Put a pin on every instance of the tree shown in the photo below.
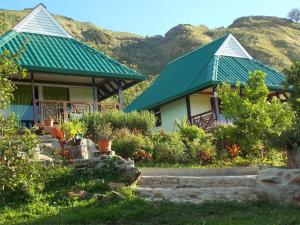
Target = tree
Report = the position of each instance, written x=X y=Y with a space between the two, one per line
x=294 y=15
x=291 y=138
x=256 y=121
x=19 y=173
x=8 y=69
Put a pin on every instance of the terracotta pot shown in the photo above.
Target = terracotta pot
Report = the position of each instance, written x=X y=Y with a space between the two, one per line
x=49 y=122
x=104 y=146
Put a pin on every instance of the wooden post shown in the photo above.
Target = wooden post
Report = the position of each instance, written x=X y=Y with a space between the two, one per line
x=216 y=103
x=94 y=95
x=188 y=108
x=65 y=108
x=120 y=96
x=33 y=99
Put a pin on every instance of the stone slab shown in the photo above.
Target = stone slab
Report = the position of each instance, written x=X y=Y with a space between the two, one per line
x=236 y=171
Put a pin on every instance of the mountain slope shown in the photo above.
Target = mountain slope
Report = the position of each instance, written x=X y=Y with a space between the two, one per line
x=272 y=40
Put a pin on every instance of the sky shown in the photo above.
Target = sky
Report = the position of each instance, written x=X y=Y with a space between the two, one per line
x=156 y=17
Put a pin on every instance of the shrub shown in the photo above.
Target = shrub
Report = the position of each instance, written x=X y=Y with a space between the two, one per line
x=201 y=150
x=228 y=135
x=104 y=132
x=169 y=148
x=198 y=144
x=143 y=122
x=256 y=121
x=189 y=132
x=234 y=150
x=142 y=156
x=19 y=178
x=126 y=144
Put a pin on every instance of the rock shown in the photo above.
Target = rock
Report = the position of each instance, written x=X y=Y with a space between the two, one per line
x=131 y=175
x=49 y=143
x=116 y=196
x=80 y=152
x=91 y=146
x=115 y=185
x=43 y=157
x=101 y=197
x=80 y=194
x=113 y=196
x=126 y=167
x=100 y=165
x=293 y=158
x=282 y=185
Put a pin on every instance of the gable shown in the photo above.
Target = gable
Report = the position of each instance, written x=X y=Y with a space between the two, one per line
x=40 y=21
x=231 y=47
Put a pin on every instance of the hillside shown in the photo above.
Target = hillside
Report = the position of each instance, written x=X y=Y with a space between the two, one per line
x=272 y=40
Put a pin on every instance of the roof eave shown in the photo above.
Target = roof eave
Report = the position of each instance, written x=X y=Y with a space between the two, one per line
x=69 y=72
x=202 y=86
x=270 y=87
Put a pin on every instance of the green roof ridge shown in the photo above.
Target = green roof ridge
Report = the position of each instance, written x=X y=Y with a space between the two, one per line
x=199 y=48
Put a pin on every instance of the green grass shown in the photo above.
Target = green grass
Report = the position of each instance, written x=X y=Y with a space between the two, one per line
x=54 y=206
x=135 y=211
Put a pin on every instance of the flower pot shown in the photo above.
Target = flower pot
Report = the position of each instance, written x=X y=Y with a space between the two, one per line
x=49 y=122
x=104 y=146
x=77 y=140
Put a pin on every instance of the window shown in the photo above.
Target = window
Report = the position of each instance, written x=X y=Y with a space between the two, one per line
x=157 y=115
x=56 y=93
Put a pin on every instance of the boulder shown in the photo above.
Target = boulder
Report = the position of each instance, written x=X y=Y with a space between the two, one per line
x=125 y=167
x=282 y=185
x=80 y=194
x=293 y=158
x=42 y=157
x=115 y=185
x=113 y=196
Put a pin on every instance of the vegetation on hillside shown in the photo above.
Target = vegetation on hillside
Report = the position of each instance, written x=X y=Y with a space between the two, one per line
x=272 y=40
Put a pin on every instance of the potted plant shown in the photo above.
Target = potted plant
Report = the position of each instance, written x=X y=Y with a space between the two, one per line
x=104 y=135
x=49 y=121
x=73 y=131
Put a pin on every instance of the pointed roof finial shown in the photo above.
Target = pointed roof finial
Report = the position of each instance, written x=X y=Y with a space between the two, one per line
x=40 y=21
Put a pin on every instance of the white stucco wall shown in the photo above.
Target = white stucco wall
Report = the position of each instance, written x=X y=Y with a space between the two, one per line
x=170 y=112
x=199 y=103
x=81 y=94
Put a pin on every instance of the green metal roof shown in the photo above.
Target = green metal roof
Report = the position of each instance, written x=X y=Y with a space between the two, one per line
x=61 y=55
x=200 y=69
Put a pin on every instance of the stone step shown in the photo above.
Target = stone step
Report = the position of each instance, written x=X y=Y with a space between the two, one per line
x=236 y=171
x=196 y=182
x=197 y=195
